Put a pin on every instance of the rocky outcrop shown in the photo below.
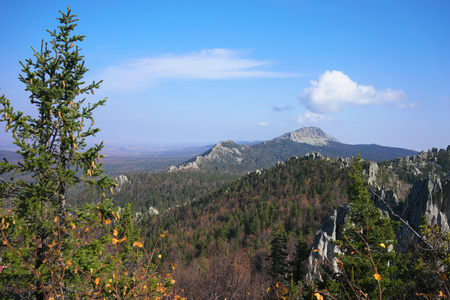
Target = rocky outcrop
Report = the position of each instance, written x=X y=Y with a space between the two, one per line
x=153 y=211
x=309 y=135
x=314 y=155
x=387 y=201
x=429 y=198
x=223 y=152
x=121 y=180
x=323 y=250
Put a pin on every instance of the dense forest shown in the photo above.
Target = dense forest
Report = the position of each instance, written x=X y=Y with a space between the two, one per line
x=238 y=222
x=215 y=224
x=160 y=190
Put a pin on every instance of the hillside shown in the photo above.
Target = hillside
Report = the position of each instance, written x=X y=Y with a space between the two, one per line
x=235 y=225
x=158 y=191
x=240 y=216
x=239 y=159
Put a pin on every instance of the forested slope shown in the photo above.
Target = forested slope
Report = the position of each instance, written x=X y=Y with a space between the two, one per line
x=238 y=219
x=159 y=190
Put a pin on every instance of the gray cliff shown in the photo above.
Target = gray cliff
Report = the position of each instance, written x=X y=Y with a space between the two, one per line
x=429 y=198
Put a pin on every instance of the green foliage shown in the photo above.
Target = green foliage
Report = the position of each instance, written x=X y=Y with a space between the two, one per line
x=51 y=250
x=160 y=190
x=126 y=229
x=368 y=261
x=278 y=255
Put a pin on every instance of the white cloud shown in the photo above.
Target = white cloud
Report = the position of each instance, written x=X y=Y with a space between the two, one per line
x=263 y=124
x=334 y=90
x=208 y=64
x=310 y=117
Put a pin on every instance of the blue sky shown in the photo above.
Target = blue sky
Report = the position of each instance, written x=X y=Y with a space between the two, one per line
x=179 y=72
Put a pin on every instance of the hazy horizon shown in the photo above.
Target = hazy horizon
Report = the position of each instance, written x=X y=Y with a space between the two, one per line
x=199 y=72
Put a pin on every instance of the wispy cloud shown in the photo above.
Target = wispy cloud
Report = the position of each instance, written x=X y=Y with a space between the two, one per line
x=209 y=64
x=263 y=124
x=280 y=109
x=310 y=117
x=334 y=90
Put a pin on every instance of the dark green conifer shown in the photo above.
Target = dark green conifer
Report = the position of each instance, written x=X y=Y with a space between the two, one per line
x=278 y=255
x=368 y=258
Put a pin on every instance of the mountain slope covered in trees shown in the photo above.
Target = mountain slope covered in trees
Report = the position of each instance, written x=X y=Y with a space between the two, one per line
x=239 y=159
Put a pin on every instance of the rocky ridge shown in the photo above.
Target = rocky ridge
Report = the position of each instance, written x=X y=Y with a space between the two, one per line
x=224 y=152
x=428 y=197
x=309 y=135
x=240 y=159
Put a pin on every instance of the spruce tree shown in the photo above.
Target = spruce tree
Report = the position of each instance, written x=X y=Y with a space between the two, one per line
x=54 y=251
x=368 y=260
x=278 y=255
x=53 y=143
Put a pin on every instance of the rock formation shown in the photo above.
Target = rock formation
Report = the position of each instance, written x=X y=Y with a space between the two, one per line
x=309 y=135
x=223 y=152
x=323 y=249
x=121 y=180
x=429 y=198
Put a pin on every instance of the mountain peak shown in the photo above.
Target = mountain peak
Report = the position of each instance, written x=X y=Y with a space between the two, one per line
x=309 y=135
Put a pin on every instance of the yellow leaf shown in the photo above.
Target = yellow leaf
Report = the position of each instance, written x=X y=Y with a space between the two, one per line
x=159 y=256
x=174 y=266
x=316 y=250
x=123 y=239
x=383 y=245
x=138 y=244
x=115 y=232
x=55 y=219
x=73 y=225
x=268 y=289
x=115 y=241
x=97 y=280
x=340 y=264
x=51 y=298
x=68 y=263
x=318 y=296
x=107 y=221
x=377 y=276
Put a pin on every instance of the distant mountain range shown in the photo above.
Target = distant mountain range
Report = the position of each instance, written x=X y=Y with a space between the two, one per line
x=231 y=157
